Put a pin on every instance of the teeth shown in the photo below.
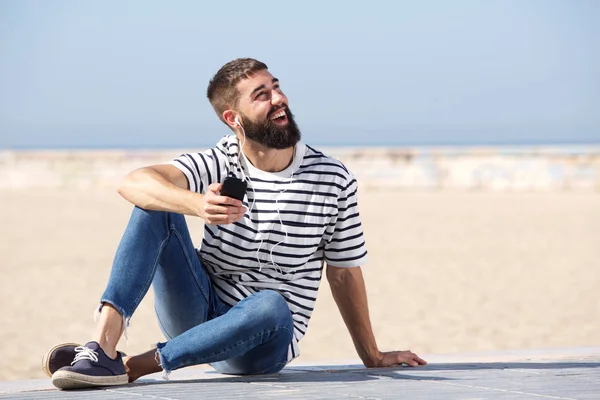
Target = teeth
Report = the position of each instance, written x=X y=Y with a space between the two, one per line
x=278 y=114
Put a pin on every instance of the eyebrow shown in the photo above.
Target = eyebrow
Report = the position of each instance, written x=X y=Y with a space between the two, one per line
x=261 y=87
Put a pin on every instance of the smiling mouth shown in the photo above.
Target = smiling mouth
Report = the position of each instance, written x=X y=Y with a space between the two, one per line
x=279 y=116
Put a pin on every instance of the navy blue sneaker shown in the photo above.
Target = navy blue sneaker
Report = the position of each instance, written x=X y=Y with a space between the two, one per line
x=91 y=367
x=59 y=356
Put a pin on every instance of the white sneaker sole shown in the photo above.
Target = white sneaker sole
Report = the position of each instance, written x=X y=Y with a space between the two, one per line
x=73 y=380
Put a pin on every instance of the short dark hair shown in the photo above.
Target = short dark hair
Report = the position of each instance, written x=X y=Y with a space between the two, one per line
x=222 y=91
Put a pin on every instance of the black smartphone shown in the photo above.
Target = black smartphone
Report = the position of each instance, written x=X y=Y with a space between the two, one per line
x=234 y=188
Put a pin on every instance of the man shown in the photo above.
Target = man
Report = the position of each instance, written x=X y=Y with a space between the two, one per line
x=243 y=300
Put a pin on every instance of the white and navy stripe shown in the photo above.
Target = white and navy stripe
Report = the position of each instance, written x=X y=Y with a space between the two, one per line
x=297 y=220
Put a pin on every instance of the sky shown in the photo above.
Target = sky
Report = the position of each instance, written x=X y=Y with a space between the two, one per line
x=133 y=74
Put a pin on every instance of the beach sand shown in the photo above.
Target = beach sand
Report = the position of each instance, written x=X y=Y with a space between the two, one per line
x=448 y=272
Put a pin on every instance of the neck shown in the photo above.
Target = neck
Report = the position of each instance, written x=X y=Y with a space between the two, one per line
x=267 y=159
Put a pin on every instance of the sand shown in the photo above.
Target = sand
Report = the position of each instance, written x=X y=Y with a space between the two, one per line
x=448 y=272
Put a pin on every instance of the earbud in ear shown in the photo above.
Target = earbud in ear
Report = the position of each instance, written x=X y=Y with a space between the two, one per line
x=237 y=121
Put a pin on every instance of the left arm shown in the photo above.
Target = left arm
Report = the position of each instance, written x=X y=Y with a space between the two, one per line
x=349 y=292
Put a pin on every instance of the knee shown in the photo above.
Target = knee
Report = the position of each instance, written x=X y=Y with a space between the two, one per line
x=143 y=212
x=270 y=300
x=162 y=217
x=271 y=307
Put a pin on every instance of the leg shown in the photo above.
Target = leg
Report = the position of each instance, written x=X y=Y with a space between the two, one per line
x=270 y=356
x=156 y=246
x=251 y=338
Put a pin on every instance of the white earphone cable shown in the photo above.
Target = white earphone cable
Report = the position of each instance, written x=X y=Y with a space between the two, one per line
x=250 y=186
x=291 y=179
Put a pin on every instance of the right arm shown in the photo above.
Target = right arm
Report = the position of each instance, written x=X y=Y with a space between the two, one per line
x=165 y=188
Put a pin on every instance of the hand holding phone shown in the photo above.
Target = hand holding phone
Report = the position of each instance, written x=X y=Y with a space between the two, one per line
x=222 y=203
x=234 y=188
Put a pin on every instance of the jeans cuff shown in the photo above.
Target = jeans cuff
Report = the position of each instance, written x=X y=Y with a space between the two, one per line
x=161 y=360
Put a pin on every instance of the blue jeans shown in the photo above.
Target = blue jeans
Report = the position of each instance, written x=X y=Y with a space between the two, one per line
x=251 y=337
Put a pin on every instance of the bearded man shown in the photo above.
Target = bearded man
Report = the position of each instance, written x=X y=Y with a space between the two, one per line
x=243 y=299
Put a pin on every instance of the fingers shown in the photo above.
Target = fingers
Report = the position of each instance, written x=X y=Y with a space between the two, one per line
x=222 y=209
x=228 y=201
x=213 y=197
x=421 y=361
x=224 y=218
x=216 y=198
x=215 y=187
x=412 y=363
x=402 y=357
x=228 y=213
x=411 y=359
x=217 y=209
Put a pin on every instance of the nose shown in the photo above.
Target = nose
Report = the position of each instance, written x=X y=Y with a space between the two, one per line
x=277 y=98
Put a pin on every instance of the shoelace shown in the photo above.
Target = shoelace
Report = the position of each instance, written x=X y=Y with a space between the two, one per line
x=83 y=353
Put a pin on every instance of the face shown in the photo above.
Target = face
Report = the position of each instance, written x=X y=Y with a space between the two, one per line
x=265 y=114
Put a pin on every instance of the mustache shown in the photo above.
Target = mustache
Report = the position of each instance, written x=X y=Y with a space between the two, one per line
x=273 y=111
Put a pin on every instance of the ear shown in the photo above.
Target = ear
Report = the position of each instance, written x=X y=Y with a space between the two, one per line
x=229 y=118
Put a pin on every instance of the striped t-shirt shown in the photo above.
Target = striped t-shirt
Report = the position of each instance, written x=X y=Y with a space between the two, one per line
x=296 y=219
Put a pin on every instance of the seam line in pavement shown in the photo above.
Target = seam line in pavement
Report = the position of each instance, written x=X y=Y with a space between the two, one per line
x=500 y=390
x=138 y=394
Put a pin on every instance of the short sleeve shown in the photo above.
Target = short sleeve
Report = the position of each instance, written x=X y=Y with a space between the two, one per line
x=346 y=246
x=201 y=169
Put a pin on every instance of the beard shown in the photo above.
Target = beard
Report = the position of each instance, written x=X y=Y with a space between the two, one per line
x=269 y=134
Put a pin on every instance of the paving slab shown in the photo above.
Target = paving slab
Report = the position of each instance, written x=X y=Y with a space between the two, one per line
x=567 y=374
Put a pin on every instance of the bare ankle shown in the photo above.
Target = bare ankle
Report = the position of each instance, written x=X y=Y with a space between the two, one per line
x=130 y=373
x=109 y=330
x=140 y=365
x=109 y=346
x=112 y=354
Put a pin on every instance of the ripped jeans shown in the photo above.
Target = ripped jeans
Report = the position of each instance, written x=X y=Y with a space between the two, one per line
x=251 y=337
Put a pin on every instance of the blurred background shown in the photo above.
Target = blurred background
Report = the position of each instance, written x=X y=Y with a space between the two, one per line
x=473 y=129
